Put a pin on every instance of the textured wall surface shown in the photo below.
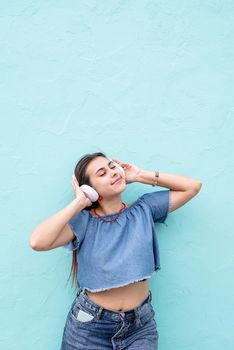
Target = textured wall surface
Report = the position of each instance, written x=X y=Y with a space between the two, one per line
x=149 y=82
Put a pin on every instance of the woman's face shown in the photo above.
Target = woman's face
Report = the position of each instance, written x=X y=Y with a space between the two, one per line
x=102 y=174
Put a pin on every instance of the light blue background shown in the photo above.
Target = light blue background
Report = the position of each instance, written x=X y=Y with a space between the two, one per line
x=147 y=82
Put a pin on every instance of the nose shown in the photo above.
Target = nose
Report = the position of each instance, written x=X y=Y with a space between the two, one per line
x=114 y=175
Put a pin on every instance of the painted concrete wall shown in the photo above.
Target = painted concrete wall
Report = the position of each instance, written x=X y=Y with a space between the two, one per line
x=148 y=82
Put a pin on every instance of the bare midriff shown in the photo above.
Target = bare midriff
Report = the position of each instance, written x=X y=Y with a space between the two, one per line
x=121 y=299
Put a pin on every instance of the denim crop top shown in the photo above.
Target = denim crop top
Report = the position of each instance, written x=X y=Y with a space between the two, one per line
x=114 y=254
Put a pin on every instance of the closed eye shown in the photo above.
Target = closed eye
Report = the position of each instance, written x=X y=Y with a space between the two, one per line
x=111 y=168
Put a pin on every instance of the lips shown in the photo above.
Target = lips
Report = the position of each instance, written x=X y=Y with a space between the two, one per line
x=116 y=180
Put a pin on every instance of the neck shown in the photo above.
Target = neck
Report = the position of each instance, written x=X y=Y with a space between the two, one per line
x=110 y=205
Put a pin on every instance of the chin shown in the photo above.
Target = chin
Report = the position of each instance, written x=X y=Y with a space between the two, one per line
x=122 y=188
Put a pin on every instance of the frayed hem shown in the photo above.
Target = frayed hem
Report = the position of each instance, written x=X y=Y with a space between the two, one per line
x=121 y=285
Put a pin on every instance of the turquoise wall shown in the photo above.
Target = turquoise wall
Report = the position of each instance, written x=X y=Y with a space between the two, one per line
x=148 y=82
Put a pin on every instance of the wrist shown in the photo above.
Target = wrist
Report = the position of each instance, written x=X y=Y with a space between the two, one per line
x=148 y=177
x=79 y=203
x=140 y=176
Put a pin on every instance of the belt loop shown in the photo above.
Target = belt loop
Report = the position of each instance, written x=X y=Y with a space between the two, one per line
x=137 y=316
x=78 y=292
x=99 y=311
x=150 y=296
x=136 y=313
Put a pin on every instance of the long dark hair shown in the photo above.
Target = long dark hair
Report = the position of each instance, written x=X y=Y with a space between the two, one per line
x=83 y=178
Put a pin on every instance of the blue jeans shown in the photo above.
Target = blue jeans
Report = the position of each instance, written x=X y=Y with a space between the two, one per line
x=92 y=327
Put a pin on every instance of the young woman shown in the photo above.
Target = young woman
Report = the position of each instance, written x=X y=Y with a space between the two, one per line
x=117 y=250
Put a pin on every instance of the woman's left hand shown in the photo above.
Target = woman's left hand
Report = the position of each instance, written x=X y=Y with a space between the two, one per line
x=131 y=171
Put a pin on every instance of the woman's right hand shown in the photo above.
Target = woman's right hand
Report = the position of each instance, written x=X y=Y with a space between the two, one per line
x=79 y=193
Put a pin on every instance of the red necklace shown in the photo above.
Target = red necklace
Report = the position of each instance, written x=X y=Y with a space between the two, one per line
x=110 y=214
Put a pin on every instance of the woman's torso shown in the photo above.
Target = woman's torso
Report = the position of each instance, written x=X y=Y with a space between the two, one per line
x=122 y=298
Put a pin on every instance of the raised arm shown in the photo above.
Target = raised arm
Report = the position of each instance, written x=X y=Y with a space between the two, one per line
x=59 y=228
x=182 y=188
x=54 y=231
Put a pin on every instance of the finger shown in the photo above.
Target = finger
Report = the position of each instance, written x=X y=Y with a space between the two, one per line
x=75 y=180
x=75 y=184
x=120 y=163
x=116 y=160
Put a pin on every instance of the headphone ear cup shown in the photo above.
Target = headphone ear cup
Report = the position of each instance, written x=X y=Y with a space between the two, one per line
x=90 y=192
x=120 y=168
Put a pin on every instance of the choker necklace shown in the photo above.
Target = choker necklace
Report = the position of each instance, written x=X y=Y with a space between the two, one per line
x=111 y=214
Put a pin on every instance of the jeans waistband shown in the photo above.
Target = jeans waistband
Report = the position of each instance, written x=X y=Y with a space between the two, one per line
x=84 y=299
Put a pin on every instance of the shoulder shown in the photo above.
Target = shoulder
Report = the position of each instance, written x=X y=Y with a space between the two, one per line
x=80 y=219
x=158 y=202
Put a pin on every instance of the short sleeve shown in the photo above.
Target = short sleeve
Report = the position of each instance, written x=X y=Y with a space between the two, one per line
x=78 y=224
x=158 y=203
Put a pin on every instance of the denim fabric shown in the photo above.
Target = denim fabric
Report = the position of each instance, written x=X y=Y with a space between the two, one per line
x=92 y=327
x=114 y=254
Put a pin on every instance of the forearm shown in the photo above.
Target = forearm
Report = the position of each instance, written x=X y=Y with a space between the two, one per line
x=171 y=181
x=48 y=231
